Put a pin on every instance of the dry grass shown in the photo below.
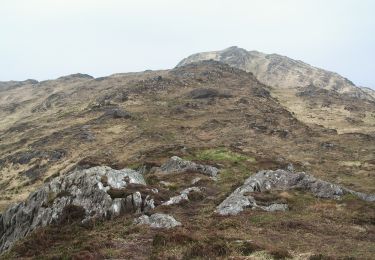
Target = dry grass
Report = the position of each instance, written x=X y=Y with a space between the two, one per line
x=235 y=134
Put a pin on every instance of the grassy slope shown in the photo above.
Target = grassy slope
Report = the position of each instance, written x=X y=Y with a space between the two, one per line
x=235 y=134
x=312 y=226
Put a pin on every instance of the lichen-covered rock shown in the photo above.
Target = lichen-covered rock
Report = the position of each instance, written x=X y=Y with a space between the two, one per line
x=178 y=165
x=157 y=220
x=182 y=197
x=281 y=180
x=87 y=189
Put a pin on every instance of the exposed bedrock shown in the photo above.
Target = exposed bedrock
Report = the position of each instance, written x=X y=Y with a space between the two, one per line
x=263 y=181
x=90 y=190
x=177 y=165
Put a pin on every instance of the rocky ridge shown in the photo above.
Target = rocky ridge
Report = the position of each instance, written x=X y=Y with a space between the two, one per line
x=264 y=181
x=314 y=95
x=280 y=71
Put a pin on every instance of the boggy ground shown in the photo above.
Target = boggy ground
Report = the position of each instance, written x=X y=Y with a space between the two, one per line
x=238 y=127
x=312 y=229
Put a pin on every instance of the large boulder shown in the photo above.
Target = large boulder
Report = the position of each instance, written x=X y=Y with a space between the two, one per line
x=178 y=165
x=99 y=192
x=263 y=181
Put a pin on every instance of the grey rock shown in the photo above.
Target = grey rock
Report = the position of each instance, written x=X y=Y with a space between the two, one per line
x=178 y=165
x=281 y=180
x=157 y=220
x=196 y=180
x=182 y=197
x=117 y=113
x=176 y=200
x=234 y=204
x=165 y=183
x=188 y=190
x=275 y=207
x=290 y=167
x=87 y=189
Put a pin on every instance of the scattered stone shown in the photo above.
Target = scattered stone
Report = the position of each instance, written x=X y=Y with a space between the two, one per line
x=165 y=183
x=178 y=165
x=157 y=220
x=281 y=180
x=195 y=180
x=182 y=197
x=327 y=145
x=275 y=207
x=91 y=189
x=176 y=200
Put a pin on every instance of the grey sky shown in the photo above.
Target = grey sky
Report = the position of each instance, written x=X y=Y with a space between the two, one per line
x=45 y=39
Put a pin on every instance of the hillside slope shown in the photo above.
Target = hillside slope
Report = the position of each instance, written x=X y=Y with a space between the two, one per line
x=207 y=112
x=313 y=94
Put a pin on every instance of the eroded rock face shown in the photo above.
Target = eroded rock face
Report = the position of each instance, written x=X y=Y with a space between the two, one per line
x=157 y=220
x=262 y=181
x=88 y=189
x=178 y=165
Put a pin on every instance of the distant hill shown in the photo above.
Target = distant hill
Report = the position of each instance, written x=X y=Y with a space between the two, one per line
x=313 y=94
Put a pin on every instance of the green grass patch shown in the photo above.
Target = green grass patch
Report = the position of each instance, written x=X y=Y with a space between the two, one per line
x=263 y=218
x=300 y=200
x=349 y=198
x=222 y=155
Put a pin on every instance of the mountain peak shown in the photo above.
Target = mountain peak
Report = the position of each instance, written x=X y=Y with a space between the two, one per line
x=280 y=71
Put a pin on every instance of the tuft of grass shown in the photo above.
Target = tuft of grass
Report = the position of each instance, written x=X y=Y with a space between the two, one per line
x=263 y=218
x=320 y=257
x=280 y=253
x=71 y=214
x=209 y=249
x=196 y=196
x=247 y=248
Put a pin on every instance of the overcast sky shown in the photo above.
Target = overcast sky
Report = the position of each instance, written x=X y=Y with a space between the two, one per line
x=45 y=39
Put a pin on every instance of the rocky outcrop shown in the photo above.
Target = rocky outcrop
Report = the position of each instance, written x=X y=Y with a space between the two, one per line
x=98 y=192
x=208 y=93
x=117 y=113
x=178 y=165
x=157 y=220
x=76 y=76
x=263 y=181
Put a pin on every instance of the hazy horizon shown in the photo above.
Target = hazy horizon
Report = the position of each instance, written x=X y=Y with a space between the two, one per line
x=44 y=39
